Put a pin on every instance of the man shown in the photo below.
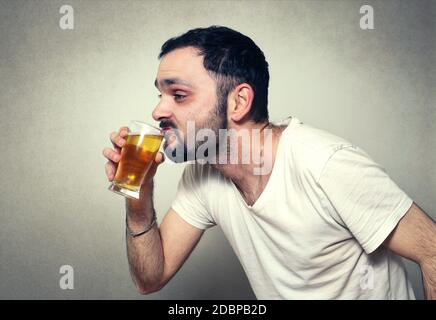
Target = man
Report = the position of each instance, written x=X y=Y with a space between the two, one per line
x=313 y=227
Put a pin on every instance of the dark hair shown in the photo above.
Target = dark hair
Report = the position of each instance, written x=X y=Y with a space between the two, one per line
x=232 y=58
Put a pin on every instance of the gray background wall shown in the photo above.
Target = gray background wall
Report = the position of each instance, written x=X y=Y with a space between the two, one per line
x=62 y=92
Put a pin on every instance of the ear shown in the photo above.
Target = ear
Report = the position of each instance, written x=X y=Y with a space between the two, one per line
x=240 y=102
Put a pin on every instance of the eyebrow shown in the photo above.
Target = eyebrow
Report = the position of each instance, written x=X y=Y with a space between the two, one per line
x=170 y=81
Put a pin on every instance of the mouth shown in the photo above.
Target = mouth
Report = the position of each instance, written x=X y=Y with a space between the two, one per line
x=169 y=135
x=164 y=130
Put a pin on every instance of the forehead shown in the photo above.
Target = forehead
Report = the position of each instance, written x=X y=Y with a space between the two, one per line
x=185 y=64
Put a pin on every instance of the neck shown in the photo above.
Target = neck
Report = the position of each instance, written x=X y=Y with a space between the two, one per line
x=249 y=163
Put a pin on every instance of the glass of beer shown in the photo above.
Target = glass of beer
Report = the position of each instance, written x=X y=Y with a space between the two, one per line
x=137 y=156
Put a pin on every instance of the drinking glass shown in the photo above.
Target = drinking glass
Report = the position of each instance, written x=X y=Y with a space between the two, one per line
x=137 y=156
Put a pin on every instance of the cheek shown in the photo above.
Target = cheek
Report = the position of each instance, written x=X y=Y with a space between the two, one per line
x=198 y=110
x=206 y=106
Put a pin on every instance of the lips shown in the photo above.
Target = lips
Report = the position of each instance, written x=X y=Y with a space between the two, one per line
x=165 y=129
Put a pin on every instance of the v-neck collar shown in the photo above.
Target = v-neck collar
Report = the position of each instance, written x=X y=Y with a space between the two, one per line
x=263 y=197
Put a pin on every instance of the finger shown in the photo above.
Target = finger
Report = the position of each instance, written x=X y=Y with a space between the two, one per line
x=112 y=155
x=116 y=140
x=113 y=138
x=160 y=158
x=109 y=168
x=123 y=132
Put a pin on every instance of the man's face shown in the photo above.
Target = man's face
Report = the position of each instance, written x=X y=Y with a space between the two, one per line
x=187 y=93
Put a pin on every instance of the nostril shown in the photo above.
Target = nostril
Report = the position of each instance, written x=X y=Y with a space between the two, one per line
x=156 y=115
x=160 y=114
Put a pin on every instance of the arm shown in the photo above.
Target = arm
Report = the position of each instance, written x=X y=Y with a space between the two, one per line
x=415 y=238
x=156 y=256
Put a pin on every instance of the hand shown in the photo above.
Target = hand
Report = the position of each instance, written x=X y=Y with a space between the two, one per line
x=118 y=140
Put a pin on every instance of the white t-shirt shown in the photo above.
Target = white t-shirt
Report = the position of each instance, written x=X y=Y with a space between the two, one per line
x=315 y=231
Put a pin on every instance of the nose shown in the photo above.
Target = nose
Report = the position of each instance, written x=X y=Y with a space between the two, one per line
x=161 y=111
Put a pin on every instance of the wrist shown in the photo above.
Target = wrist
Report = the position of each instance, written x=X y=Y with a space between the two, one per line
x=138 y=208
x=135 y=229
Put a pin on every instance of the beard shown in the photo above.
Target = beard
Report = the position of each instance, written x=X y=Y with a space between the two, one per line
x=175 y=145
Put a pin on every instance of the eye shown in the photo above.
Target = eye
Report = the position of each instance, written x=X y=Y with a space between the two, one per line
x=179 y=97
x=159 y=96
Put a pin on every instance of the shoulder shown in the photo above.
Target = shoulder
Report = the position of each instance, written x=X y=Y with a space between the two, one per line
x=309 y=148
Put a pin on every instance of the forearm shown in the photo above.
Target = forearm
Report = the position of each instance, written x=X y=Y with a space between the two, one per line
x=428 y=270
x=414 y=238
x=427 y=258
x=144 y=253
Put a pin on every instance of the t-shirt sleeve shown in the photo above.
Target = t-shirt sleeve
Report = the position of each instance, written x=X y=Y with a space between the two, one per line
x=189 y=202
x=364 y=196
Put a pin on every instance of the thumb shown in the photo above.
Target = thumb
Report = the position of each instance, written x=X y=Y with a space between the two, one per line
x=160 y=158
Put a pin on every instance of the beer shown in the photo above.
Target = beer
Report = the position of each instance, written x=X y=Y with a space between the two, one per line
x=137 y=156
